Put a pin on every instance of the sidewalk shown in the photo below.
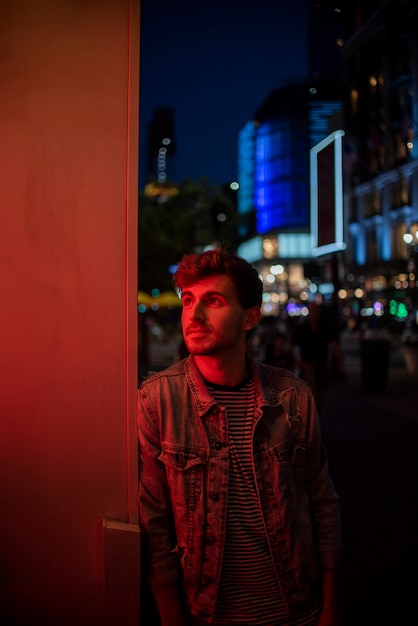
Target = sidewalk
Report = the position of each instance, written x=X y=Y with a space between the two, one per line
x=372 y=442
x=400 y=393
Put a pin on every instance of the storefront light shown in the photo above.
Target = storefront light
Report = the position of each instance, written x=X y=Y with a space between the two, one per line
x=276 y=269
x=292 y=309
x=378 y=309
x=367 y=311
x=326 y=289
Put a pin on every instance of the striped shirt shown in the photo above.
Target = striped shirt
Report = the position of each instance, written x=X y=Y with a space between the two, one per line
x=248 y=591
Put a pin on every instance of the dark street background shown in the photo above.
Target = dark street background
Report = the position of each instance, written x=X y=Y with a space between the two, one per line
x=371 y=436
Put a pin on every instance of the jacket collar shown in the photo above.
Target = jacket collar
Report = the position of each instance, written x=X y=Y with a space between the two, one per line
x=268 y=392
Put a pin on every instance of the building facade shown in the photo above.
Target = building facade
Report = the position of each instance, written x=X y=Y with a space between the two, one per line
x=380 y=60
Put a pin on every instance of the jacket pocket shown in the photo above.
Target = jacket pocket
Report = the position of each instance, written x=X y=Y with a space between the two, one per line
x=290 y=461
x=184 y=469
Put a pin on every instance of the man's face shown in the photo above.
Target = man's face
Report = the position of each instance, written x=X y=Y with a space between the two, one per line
x=212 y=319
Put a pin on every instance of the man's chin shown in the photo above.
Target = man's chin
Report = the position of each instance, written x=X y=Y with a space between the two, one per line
x=197 y=349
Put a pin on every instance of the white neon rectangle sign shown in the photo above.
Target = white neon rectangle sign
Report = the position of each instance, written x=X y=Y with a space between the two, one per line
x=327 y=216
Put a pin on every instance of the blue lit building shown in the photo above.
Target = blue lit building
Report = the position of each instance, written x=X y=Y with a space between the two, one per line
x=246 y=168
x=273 y=154
x=273 y=173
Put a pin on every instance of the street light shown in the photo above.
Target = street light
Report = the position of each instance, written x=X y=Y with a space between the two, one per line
x=411 y=242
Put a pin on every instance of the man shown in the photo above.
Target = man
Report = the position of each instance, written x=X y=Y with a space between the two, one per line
x=240 y=518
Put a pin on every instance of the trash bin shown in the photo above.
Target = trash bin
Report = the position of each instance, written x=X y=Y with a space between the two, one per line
x=374 y=363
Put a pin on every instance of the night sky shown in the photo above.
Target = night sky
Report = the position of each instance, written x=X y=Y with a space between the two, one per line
x=215 y=62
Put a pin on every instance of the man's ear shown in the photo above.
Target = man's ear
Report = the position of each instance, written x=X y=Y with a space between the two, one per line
x=251 y=318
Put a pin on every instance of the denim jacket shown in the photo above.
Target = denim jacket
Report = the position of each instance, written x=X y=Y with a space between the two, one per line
x=183 y=488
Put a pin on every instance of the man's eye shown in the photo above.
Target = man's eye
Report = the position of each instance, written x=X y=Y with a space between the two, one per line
x=186 y=301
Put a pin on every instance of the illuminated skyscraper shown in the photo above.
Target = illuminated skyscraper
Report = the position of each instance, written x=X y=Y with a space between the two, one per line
x=161 y=146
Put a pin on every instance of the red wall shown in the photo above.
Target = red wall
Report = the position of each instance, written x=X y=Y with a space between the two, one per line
x=68 y=320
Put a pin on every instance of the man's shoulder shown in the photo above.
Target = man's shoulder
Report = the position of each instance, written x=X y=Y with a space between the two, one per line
x=281 y=376
x=155 y=377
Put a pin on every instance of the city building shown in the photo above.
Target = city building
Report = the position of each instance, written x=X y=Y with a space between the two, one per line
x=380 y=60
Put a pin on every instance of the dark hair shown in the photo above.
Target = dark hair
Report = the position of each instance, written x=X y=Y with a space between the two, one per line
x=194 y=267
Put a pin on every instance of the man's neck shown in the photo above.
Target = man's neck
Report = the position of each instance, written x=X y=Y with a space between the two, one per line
x=222 y=370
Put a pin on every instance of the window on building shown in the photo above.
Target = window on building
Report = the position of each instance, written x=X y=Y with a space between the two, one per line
x=372 y=83
x=372 y=204
x=399 y=195
x=404 y=191
x=270 y=248
x=353 y=101
x=398 y=245
x=372 y=254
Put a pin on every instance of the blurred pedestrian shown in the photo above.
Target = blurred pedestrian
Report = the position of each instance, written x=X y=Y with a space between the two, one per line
x=279 y=352
x=318 y=349
x=239 y=516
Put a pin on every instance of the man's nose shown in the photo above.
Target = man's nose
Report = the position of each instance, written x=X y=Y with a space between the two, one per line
x=197 y=311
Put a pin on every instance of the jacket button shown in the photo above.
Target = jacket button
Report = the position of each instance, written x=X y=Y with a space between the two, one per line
x=207 y=580
x=210 y=539
x=214 y=497
x=218 y=445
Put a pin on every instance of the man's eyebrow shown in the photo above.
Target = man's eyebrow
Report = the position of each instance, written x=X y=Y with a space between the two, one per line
x=206 y=294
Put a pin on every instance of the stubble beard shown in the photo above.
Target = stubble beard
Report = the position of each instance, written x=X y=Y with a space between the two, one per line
x=210 y=345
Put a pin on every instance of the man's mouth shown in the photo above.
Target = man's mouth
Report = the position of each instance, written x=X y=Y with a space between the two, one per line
x=197 y=330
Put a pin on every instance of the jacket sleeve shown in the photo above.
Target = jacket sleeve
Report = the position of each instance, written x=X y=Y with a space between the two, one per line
x=323 y=497
x=159 y=545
